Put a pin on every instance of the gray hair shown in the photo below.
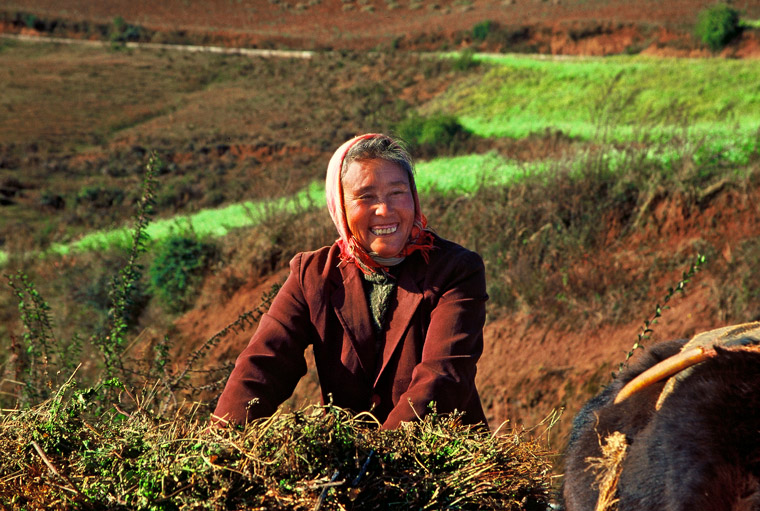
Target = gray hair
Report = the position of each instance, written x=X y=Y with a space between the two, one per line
x=381 y=147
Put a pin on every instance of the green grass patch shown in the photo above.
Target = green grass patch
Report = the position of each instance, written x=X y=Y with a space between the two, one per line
x=625 y=96
x=454 y=175
x=465 y=174
x=205 y=223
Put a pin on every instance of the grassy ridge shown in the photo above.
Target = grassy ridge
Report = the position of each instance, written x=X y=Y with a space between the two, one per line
x=451 y=176
x=214 y=100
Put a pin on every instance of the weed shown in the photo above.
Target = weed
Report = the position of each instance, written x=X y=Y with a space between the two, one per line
x=179 y=381
x=112 y=339
x=123 y=32
x=41 y=346
x=649 y=323
x=466 y=60
x=98 y=197
x=29 y=20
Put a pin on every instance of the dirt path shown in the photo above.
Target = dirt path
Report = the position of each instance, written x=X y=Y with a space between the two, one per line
x=248 y=52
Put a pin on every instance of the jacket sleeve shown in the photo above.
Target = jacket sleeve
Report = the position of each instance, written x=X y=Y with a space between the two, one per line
x=267 y=371
x=453 y=344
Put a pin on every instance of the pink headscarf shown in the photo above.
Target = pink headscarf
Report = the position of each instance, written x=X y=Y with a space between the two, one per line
x=350 y=250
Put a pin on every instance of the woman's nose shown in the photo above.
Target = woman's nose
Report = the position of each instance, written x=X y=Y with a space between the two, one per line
x=382 y=207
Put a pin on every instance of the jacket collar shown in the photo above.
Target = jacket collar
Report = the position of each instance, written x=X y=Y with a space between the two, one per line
x=408 y=298
x=350 y=303
x=351 y=307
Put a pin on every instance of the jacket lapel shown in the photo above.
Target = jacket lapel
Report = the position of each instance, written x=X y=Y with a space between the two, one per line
x=350 y=304
x=408 y=296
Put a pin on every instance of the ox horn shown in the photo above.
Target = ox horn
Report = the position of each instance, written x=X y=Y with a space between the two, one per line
x=699 y=348
x=664 y=369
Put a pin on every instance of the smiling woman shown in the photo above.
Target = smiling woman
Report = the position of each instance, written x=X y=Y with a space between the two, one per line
x=395 y=313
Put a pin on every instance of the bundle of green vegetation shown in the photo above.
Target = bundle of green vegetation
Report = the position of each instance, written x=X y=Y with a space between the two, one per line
x=71 y=453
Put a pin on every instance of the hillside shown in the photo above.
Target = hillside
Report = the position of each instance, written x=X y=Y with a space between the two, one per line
x=560 y=27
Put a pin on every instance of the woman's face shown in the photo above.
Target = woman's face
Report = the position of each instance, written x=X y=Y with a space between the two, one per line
x=379 y=205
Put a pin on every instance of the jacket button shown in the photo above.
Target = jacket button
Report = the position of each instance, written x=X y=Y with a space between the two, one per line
x=375 y=400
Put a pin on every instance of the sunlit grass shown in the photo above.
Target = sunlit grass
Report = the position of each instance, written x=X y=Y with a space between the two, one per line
x=456 y=175
x=465 y=174
x=520 y=95
x=205 y=223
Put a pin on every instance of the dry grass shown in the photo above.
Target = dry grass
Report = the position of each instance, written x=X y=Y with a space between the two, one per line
x=63 y=455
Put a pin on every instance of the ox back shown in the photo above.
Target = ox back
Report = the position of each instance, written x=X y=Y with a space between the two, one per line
x=699 y=452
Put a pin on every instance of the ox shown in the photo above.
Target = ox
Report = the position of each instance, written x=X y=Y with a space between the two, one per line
x=691 y=442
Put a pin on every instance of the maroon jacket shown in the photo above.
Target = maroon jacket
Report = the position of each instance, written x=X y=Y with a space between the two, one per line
x=433 y=340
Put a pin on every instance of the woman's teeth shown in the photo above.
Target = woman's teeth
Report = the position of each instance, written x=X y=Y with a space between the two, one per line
x=378 y=231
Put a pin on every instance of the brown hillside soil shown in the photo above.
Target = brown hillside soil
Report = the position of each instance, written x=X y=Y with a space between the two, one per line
x=572 y=27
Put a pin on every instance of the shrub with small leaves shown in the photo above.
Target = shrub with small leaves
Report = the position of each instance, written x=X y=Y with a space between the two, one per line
x=717 y=26
x=465 y=60
x=123 y=31
x=439 y=133
x=481 y=30
x=177 y=269
x=99 y=197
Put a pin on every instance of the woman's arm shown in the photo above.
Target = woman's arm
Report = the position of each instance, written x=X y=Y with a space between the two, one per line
x=453 y=345
x=269 y=368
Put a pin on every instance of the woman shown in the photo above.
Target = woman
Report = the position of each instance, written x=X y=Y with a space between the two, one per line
x=395 y=314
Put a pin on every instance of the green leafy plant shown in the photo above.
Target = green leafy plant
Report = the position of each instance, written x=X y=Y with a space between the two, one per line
x=439 y=133
x=98 y=197
x=465 y=60
x=177 y=269
x=30 y=20
x=121 y=31
x=717 y=26
x=482 y=30
x=112 y=339
x=44 y=357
